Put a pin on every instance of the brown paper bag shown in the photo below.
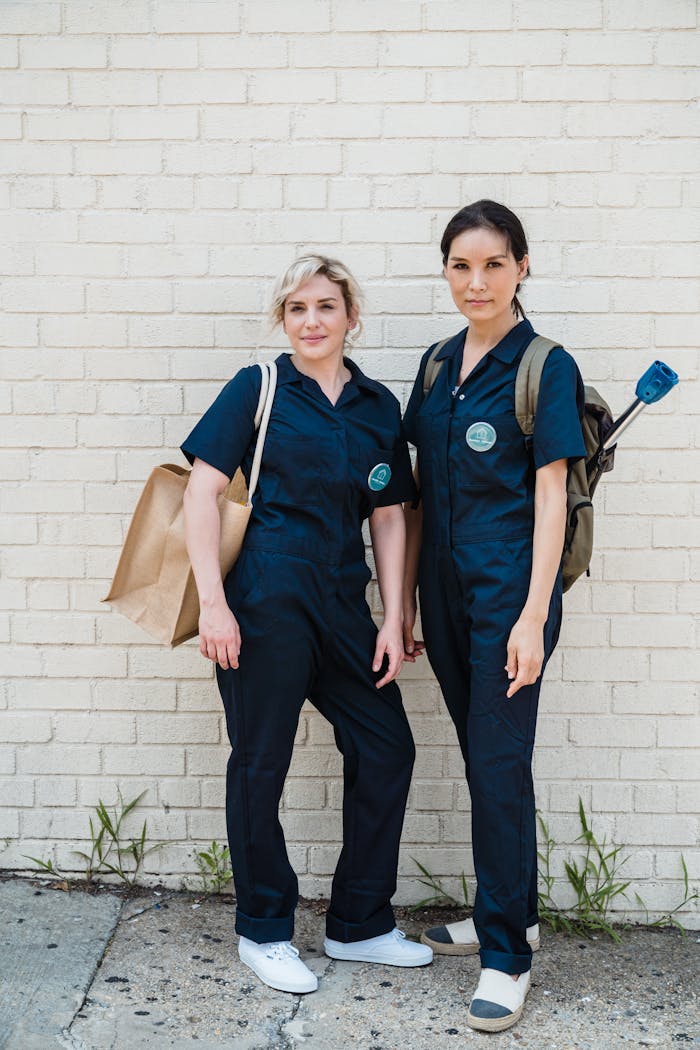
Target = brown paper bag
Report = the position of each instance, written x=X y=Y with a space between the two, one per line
x=154 y=585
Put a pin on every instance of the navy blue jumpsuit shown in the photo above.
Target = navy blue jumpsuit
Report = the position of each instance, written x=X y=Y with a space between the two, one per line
x=298 y=593
x=477 y=477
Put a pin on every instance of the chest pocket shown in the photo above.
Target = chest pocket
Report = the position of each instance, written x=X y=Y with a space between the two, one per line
x=291 y=470
x=371 y=472
x=488 y=452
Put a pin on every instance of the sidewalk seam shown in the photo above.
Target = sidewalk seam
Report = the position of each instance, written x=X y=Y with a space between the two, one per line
x=73 y=1042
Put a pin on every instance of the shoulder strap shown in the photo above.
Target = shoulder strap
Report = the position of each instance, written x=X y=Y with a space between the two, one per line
x=432 y=367
x=264 y=385
x=262 y=418
x=527 y=381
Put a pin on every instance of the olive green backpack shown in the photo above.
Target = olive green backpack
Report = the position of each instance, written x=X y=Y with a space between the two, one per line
x=584 y=475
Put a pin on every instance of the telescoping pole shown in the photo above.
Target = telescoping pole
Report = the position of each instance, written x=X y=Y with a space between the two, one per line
x=653 y=385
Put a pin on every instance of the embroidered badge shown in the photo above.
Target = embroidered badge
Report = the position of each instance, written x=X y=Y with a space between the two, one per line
x=481 y=437
x=379 y=477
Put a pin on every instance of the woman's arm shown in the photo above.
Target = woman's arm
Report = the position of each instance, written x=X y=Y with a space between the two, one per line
x=388 y=532
x=414 y=535
x=526 y=641
x=219 y=635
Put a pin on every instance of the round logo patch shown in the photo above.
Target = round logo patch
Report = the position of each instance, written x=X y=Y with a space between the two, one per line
x=379 y=477
x=481 y=437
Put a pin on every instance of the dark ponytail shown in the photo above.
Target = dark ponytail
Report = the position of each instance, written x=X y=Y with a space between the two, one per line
x=488 y=215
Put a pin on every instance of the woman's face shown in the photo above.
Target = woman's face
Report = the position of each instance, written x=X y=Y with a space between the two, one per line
x=483 y=274
x=315 y=319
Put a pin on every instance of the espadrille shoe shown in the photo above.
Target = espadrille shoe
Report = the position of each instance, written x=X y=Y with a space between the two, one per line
x=498 y=1001
x=459 y=938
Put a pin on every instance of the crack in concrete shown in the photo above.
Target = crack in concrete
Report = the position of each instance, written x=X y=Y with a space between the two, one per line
x=290 y=1040
x=71 y=1041
x=44 y=991
x=287 y=1041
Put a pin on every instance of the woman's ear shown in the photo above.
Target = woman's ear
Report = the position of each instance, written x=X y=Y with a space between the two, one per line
x=353 y=317
x=523 y=267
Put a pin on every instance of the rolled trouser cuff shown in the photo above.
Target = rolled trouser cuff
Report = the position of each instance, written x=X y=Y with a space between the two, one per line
x=263 y=931
x=381 y=922
x=506 y=963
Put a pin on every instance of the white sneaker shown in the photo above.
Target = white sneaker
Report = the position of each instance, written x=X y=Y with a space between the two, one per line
x=277 y=964
x=459 y=938
x=392 y=949
x=498 y=1000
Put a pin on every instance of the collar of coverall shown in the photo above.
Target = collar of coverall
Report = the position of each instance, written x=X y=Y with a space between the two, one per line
x=289 y=373
x=506 y=351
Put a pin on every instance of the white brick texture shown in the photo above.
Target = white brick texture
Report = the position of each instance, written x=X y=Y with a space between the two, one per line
x=161 y=161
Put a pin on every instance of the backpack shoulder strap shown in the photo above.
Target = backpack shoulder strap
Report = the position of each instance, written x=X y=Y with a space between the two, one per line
x=432 y=367
x=527 y=381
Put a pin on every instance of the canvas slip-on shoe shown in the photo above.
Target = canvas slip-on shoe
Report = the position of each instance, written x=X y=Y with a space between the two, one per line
x=498 y=1000
x=459 y=938
x=391 y=949
x=278 y=965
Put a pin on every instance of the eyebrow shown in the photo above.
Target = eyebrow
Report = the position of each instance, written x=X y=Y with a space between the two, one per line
x=459 y=258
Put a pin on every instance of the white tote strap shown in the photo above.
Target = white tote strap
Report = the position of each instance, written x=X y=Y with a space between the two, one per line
x=269 y=384
x=263 y=393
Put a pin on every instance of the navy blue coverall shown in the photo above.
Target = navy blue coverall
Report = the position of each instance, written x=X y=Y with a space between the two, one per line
x=298 y=593
x=477 y=477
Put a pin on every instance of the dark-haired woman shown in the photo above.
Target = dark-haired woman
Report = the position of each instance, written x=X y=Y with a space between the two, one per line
x=484 y=547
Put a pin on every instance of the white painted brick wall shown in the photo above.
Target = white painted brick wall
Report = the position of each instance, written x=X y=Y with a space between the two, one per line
x=160 y=162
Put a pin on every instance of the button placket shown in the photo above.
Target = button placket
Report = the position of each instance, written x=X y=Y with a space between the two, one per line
x=343 y=479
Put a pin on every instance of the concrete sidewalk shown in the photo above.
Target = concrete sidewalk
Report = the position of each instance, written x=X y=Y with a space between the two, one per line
x=91 y=972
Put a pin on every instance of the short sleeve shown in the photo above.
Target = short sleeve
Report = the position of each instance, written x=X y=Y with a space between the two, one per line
x=416 y=400
x=226 y=429
x=401 y=487
x=560 y=405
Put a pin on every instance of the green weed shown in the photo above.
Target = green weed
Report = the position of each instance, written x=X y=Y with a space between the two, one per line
x=109 y=852
x=594 y=876
x=669 y=919
x=214 y=867
x=440 y=894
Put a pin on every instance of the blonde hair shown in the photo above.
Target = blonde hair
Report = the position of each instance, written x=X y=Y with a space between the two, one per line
x=303 y=269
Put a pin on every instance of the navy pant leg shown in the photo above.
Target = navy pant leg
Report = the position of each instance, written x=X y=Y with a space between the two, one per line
x=262 y=700
x=446 y=635
x=373 y=734
x=470 y=606
x=312 y=636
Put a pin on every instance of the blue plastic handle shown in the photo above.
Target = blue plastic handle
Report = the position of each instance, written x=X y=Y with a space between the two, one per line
x=656 y=383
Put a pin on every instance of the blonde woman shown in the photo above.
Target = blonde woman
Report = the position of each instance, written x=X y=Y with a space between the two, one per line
x=291 y=621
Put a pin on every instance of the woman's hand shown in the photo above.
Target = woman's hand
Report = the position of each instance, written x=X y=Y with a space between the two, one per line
x=388 y=532
x=412 y=647
x=219 y=635
x=525 y=653
x=526 y=642
x=389 y=644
